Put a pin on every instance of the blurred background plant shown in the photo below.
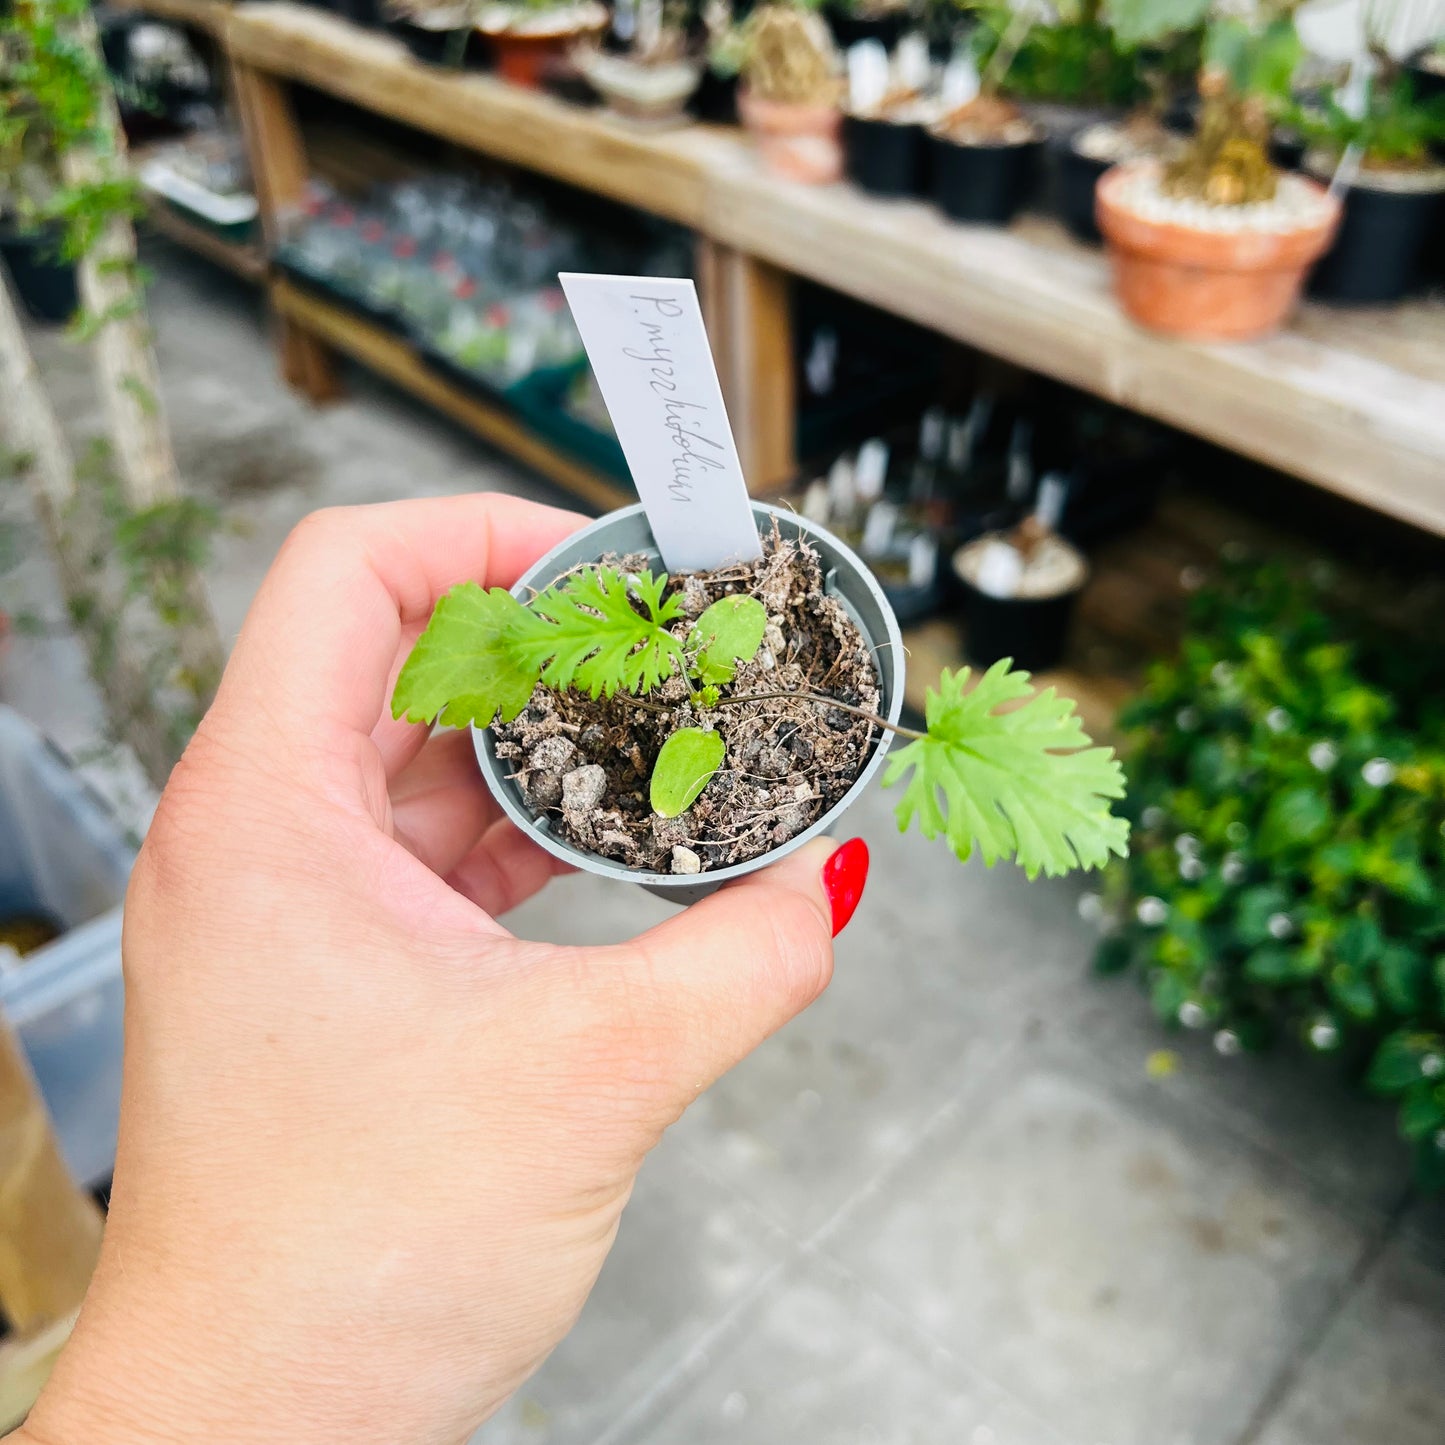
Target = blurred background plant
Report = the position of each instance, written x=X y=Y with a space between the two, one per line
x=127 y=542
x=1287 y=880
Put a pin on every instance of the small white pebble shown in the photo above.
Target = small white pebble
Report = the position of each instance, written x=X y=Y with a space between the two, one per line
x=583 y=788
x=684 y=860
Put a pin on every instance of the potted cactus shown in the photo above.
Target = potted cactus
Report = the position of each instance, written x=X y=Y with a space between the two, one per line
x=790 y=95
x=1217 y=242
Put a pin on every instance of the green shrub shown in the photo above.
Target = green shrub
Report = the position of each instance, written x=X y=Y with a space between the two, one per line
x=1287 y=878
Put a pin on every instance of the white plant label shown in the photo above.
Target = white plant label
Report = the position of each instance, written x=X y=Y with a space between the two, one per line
x=649 y=351
x=867 y=76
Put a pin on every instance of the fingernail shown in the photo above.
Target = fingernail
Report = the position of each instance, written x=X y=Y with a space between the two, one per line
x=844 y=875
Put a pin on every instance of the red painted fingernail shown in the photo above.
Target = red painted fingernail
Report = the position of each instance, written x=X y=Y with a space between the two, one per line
x=844 y=875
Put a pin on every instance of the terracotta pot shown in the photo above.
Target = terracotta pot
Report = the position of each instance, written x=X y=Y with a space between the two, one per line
x=798 y=141
x=526 y=59
x=1191 y=282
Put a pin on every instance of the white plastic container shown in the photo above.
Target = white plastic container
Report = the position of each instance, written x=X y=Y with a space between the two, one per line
x=64 y=856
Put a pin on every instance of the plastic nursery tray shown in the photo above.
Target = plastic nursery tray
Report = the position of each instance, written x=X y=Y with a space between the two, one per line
x=231 y=217
x=329 y=290
x=541 y=400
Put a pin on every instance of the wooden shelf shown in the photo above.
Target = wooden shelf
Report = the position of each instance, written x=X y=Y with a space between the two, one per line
x=394 y=359
x=240 y=259
x=664 y=172
x=1354 y=402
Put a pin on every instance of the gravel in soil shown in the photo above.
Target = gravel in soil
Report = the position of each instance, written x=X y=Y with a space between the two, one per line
x=585 y=764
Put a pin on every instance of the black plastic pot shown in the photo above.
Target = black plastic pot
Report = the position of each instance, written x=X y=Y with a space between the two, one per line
x=849 y=28
x=1074 y=183
x=885 y=157
x=1381 y=251
x=716 y=99
x=983 y=183
x=366 y=13
x=1287 y=149
x=435 y=47
x=45 y=285
x=1033 y=631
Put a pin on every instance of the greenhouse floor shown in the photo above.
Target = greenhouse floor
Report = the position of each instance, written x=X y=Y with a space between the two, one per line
x=963 y=1199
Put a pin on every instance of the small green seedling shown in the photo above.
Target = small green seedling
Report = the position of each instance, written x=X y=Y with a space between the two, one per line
x=1002 y=767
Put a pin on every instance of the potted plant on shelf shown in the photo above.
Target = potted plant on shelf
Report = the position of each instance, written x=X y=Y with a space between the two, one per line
x=790 y=93
x=528 y=37
x=652 y=81
x=724 y=46
x=1390 y=180
x=1217 y=242
x=984 y=154
x=31 y=243
x=433 y=32
x=885 y=21
x=680 y=732
x=884 y=124
x=1161 y=67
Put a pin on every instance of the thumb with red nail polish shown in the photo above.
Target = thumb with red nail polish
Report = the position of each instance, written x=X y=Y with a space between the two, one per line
x=740 y=964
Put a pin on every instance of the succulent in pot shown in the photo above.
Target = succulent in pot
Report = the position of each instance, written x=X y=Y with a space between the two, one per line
x=653 y=79
x=435 y=33
x=984 y=159
x=1216 y=242
x=531 y=37
x=790 y=93
x=889 y=106
x=682 y=731
x=725 y=49
x=1390 y=179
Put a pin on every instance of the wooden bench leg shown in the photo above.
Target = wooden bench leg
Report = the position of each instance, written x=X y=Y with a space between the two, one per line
x=49 y=1236
x=748 y=308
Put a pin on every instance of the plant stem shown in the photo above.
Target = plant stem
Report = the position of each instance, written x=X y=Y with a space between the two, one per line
x=863 y=713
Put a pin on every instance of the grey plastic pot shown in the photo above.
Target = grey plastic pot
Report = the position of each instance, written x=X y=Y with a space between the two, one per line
x=626 y=531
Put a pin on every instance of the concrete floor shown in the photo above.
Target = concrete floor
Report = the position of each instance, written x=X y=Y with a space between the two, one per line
x=947 y=1206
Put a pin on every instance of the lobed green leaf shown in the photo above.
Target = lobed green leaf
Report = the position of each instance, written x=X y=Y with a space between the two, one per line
x=1019 y=782
x=586 y=634
x=463 y=668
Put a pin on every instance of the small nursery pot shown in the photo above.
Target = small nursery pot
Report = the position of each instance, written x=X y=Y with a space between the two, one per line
x=445 y=46
x=795 y=140
x=716 y=98
x=1382 y=247
x=626 y=531
x=1033 y=631
x=885 y=157
x=983 y=183
x=1075 y=179
x=46 y=286
x=1189 y=281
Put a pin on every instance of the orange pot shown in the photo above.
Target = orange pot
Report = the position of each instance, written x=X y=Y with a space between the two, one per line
x=526 y=57
x=1208 y=284
x=794 y=140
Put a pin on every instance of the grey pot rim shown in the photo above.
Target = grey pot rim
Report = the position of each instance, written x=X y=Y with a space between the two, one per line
x=689 y=886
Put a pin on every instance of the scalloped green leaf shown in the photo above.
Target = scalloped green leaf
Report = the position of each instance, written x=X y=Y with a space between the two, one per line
x=463 y=668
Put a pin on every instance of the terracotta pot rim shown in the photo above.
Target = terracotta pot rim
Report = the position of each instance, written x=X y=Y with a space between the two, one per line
x=1256 y=250
x=786 y=114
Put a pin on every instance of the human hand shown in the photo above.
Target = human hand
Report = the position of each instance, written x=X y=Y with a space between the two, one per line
x=373 y=1148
